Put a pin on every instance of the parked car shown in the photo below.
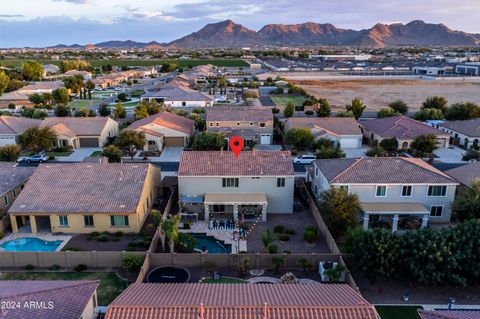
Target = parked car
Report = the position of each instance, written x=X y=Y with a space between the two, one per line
x=304 y=159
x=38 y=158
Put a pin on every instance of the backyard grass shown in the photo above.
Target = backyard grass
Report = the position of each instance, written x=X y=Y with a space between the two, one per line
x=398 y=312
x=284 y=99
x=110 y=285
x=78 y=104
x=224 y=281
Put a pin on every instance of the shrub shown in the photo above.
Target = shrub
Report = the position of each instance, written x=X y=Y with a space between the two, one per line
x=132 y=244
x=287 y=252
x=305 y=263
x=132 y=263
x=272 y=249
x=147 y=242
x=94 y=234
x=80 y=267
x=54 y=267
x=312 y=229
x=308 y=112
x=89 y=238
x=284 y=237
x=150 y=228
x=278 y=229
x=118 y=234
x=309 y=236
x=186 y=225
x=51 y=158
x=103 y=238
x=29 y=267
x=106 y=233
x=116 y=238
x=277 y=262
x=243 y=266
x=289 y=231
x=275 y=110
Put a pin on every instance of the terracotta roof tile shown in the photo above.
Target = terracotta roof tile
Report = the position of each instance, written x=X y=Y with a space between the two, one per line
x=242 y=113
x=168 y=120
x=92 y=126
x=332 y=125
x=224 y=163
x=237 y=301
x=449 y=314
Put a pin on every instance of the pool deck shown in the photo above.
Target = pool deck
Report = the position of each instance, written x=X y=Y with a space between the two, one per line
x=42 y=236
x=224 y=235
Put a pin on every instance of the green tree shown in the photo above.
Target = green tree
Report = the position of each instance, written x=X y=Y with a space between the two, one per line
x=168 y=67
x=14 y=84
x=36 y=99
x=344 y=114
x=4 y=81
x=209 y=142
x=113 y=153
x=74 y=83
x=300 y=138
x=9 y=153
x=436 y=102
x=170 y=229
x=37 y=139
x=389 y=144
x=32 y=71
x=325 y=148
x=471 y=156
x=323 y=109
x=90 y=85
x=39 y=114
x=85 y=112
x=131 y=141
x=376 y=152
x=289 y=109
x=47 y=99
x=60 y=96
x=267 y=239
x=356 y=107
x=424 y=145
x=141 y=111
x=462 y=112
x=104 y=109
x=399 y=106
x=466 y=205
x=339 y=209
x=428 y=114
x=387 y=112
x=62 y=110
x=120 y=111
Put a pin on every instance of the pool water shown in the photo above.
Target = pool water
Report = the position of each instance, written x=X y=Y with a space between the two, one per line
x=31 y=244
x=211 y=244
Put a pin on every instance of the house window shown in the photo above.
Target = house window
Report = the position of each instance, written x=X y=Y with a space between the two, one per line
x=281 y=182
x=14 y=193
x=316 y=190
x=218 y=208
x=229 y=182
x=63 y=221
x=381 y=191
x=344 y=188
x=211 y=123
x=184 y=103
x=5 y=200
x=437 y=191
x=406 y=191
x=262 y=124
x=88 y=221
x=119 y=221
x=216 y=124
x=436 y=211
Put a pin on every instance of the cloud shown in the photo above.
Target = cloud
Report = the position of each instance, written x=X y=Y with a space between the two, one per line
x=74 y=1
x=11 y=16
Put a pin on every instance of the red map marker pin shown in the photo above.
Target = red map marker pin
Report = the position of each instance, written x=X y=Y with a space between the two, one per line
x=236 y=145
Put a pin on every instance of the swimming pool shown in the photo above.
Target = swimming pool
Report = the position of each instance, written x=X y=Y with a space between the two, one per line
x=211 y=244
x=31 y=244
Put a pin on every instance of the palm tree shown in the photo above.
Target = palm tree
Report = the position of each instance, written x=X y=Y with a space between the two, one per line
x=170 y=229
x=267 y=238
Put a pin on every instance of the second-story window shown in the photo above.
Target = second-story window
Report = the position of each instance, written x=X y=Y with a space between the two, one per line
x=437 y=190
x=281 y=182
x=262 y=124
x=381 y=191
x=406 y=190
x=344 y=188
x=230 y=182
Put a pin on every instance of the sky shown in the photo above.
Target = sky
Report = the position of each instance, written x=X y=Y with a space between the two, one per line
x=39 y=23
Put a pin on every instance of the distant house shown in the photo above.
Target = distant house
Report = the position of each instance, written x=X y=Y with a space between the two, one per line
x=54 y=299
x=16 y=98
x=50 y=69
x=165 y=129
x=469 y=68
x=12 y=126
x=82 y=131
x=222 y=301
x=86 y=197
x=252 y=123
x=465 y=174
x=344 y=131
x=41 y=87
x=180 y=96
x=86 y=75
x=403 y=128
x=465 y=133
x=393 y=191
x=255 y=184
x=12 y=181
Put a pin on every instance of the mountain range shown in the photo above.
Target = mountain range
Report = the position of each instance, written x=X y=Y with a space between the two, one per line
x=228 y=34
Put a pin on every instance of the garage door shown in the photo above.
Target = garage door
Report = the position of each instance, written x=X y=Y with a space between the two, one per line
x=350 y=142
x=265 y=138
x=89 y=142
x=174 y=142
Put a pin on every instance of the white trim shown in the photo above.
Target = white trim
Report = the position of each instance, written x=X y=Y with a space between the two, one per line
x=411 y=191
x=430 y=214
x=376 y=190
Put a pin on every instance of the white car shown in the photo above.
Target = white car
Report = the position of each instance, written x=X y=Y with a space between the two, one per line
x=304 y=159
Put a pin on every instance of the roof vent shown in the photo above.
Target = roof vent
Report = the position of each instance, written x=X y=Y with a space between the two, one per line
x=122 y=206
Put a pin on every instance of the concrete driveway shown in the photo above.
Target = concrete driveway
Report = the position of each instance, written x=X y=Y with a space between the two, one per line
x=78 y=154
x=355 y=152
x=171 y=154
x=452 y=154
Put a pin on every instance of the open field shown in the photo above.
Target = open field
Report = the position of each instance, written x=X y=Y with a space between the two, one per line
x=180 y=63
x=378 y=93
x=282 y=100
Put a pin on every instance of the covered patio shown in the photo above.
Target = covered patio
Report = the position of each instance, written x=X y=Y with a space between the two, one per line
x=389 y=215
x=235 y=205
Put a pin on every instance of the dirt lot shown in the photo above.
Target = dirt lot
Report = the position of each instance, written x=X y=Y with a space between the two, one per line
x=377 y=93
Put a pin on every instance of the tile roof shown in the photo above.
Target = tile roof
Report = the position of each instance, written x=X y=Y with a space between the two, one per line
x=74 y=126
x=332 y=125
x=178 y=94
x=69 y=298
x=16 y=125
x=469 y=128
x=168 y=120
x=234 y=301
x=381 y=170
x=465 y=174
x=449 y=314
x=42 y=86
x=83 y=188
x=11 y=175
x=400 y=127
x=224 y=163
x=13 y=96
x=242 y=113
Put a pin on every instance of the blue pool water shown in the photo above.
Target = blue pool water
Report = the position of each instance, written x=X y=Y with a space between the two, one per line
x=31 y=244
x=211 y=244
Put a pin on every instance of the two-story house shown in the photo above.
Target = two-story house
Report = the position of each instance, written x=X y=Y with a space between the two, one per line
x=253 y=124
x=394 y=192
x=216 y=184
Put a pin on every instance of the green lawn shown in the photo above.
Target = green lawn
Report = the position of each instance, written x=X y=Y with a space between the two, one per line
x=78 y=104
x=120 y=63
x=58 y=154
x=128 y=104
x=284 y=99
x=398 y=312
x=224 y=281
x=110 y=285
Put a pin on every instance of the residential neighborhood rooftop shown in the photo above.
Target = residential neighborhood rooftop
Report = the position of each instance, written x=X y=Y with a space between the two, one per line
x=469 y=127
x=42 y=86
x=400 y=127
x=83 y=187
x=16 y=125
x=166 y=119
x=375 y=170
x=465 y=174
x=12 y=175
x=178 y=94
x=193 y=301
x=224 y=163
x=449 y=314
x=331 y=125
x=239 y=113
x=72 y=126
